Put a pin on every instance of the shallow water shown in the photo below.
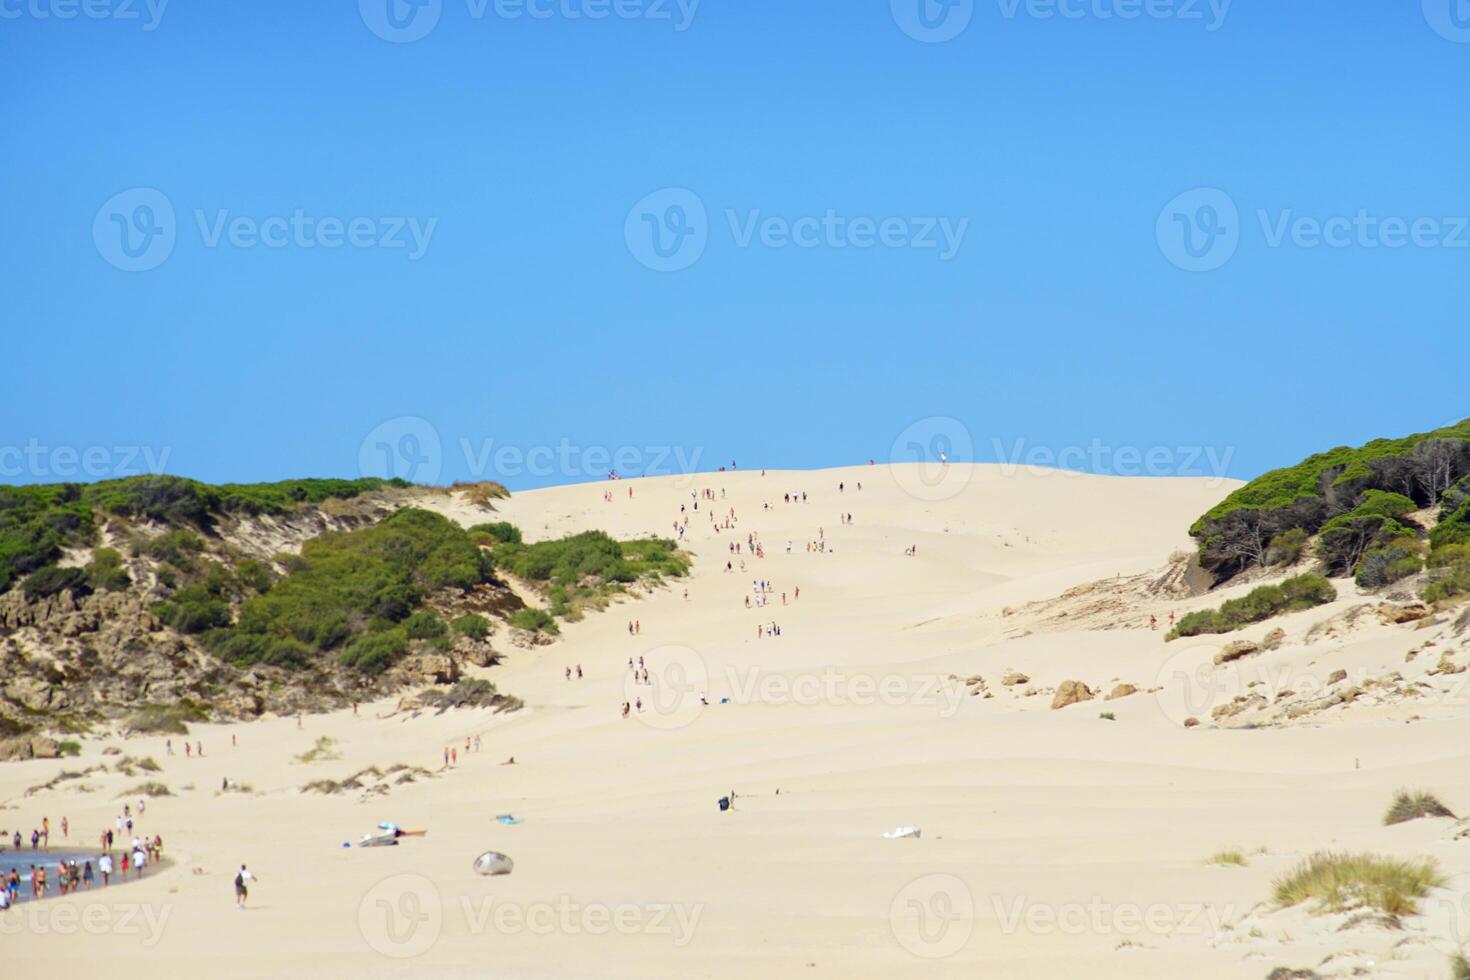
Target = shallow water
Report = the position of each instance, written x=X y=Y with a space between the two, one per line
x=51 y=860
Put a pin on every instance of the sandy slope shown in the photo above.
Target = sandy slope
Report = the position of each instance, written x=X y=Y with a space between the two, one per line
x=1055 y=843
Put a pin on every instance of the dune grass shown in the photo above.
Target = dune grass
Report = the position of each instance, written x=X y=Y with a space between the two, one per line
x=1459 y=967
x=1338 y=882
x=150 y=789
x=1412 y=806
x=321 y=752
x=1228 y=858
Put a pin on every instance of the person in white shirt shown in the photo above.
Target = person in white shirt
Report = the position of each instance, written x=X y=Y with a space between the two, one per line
x=242 y=886
x=104 y=864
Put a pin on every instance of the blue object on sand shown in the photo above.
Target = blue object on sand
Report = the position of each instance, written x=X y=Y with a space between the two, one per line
x=506 y=818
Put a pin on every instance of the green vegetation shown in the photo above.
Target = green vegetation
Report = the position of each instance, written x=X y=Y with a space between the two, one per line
x=54 y=579
x=150 y=789
x=322 y=751
x=535 y=620
x=355 y=593
x=1261 y=603
x=38 y=522
x=1228 y=858
x=1340 y=882
x=161 y=719
x=1355 y=497
x=1459 y=967
x=473 y=625
x=1287 y=547
x=69 y=747
x=586 y=570
x=1412 y=806
x=106 y=573
x=500 y=532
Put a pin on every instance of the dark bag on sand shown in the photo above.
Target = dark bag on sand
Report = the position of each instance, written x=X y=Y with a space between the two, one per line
x=724 y=803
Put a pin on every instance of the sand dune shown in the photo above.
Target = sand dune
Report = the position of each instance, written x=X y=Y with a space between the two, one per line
x=1055 y=843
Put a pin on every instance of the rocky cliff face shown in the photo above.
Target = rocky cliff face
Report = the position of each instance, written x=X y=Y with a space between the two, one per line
x=67 y=663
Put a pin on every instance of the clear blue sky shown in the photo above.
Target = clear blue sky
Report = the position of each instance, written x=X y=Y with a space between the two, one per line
x=522 y=144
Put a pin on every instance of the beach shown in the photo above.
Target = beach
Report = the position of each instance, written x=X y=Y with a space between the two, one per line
x=1055 y=842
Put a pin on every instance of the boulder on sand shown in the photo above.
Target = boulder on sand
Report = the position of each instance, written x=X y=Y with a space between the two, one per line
x=1071 y=692
x=1235 y=650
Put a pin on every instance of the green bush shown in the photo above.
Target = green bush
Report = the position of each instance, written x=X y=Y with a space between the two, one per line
x=194 y=615
x=1388 y=564
x=500 y=531
x=424 y=626
x=536 y=620
x=1287 y=547
x=473 y=625
x=348 y=586
x=1294 y=594
x=54 y=580
x=374 y=653
x=106 y=572
x=587 y=568
x=1425 y=468
x=69 y=747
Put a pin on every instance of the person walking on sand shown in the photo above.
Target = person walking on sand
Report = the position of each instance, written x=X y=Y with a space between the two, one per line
x=243 y=879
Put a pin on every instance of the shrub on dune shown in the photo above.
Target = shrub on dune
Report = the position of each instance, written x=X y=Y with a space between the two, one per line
x=1340 y=882
x=1412 y=806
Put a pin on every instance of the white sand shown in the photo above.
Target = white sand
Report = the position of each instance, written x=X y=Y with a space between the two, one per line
x=1055 y=843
